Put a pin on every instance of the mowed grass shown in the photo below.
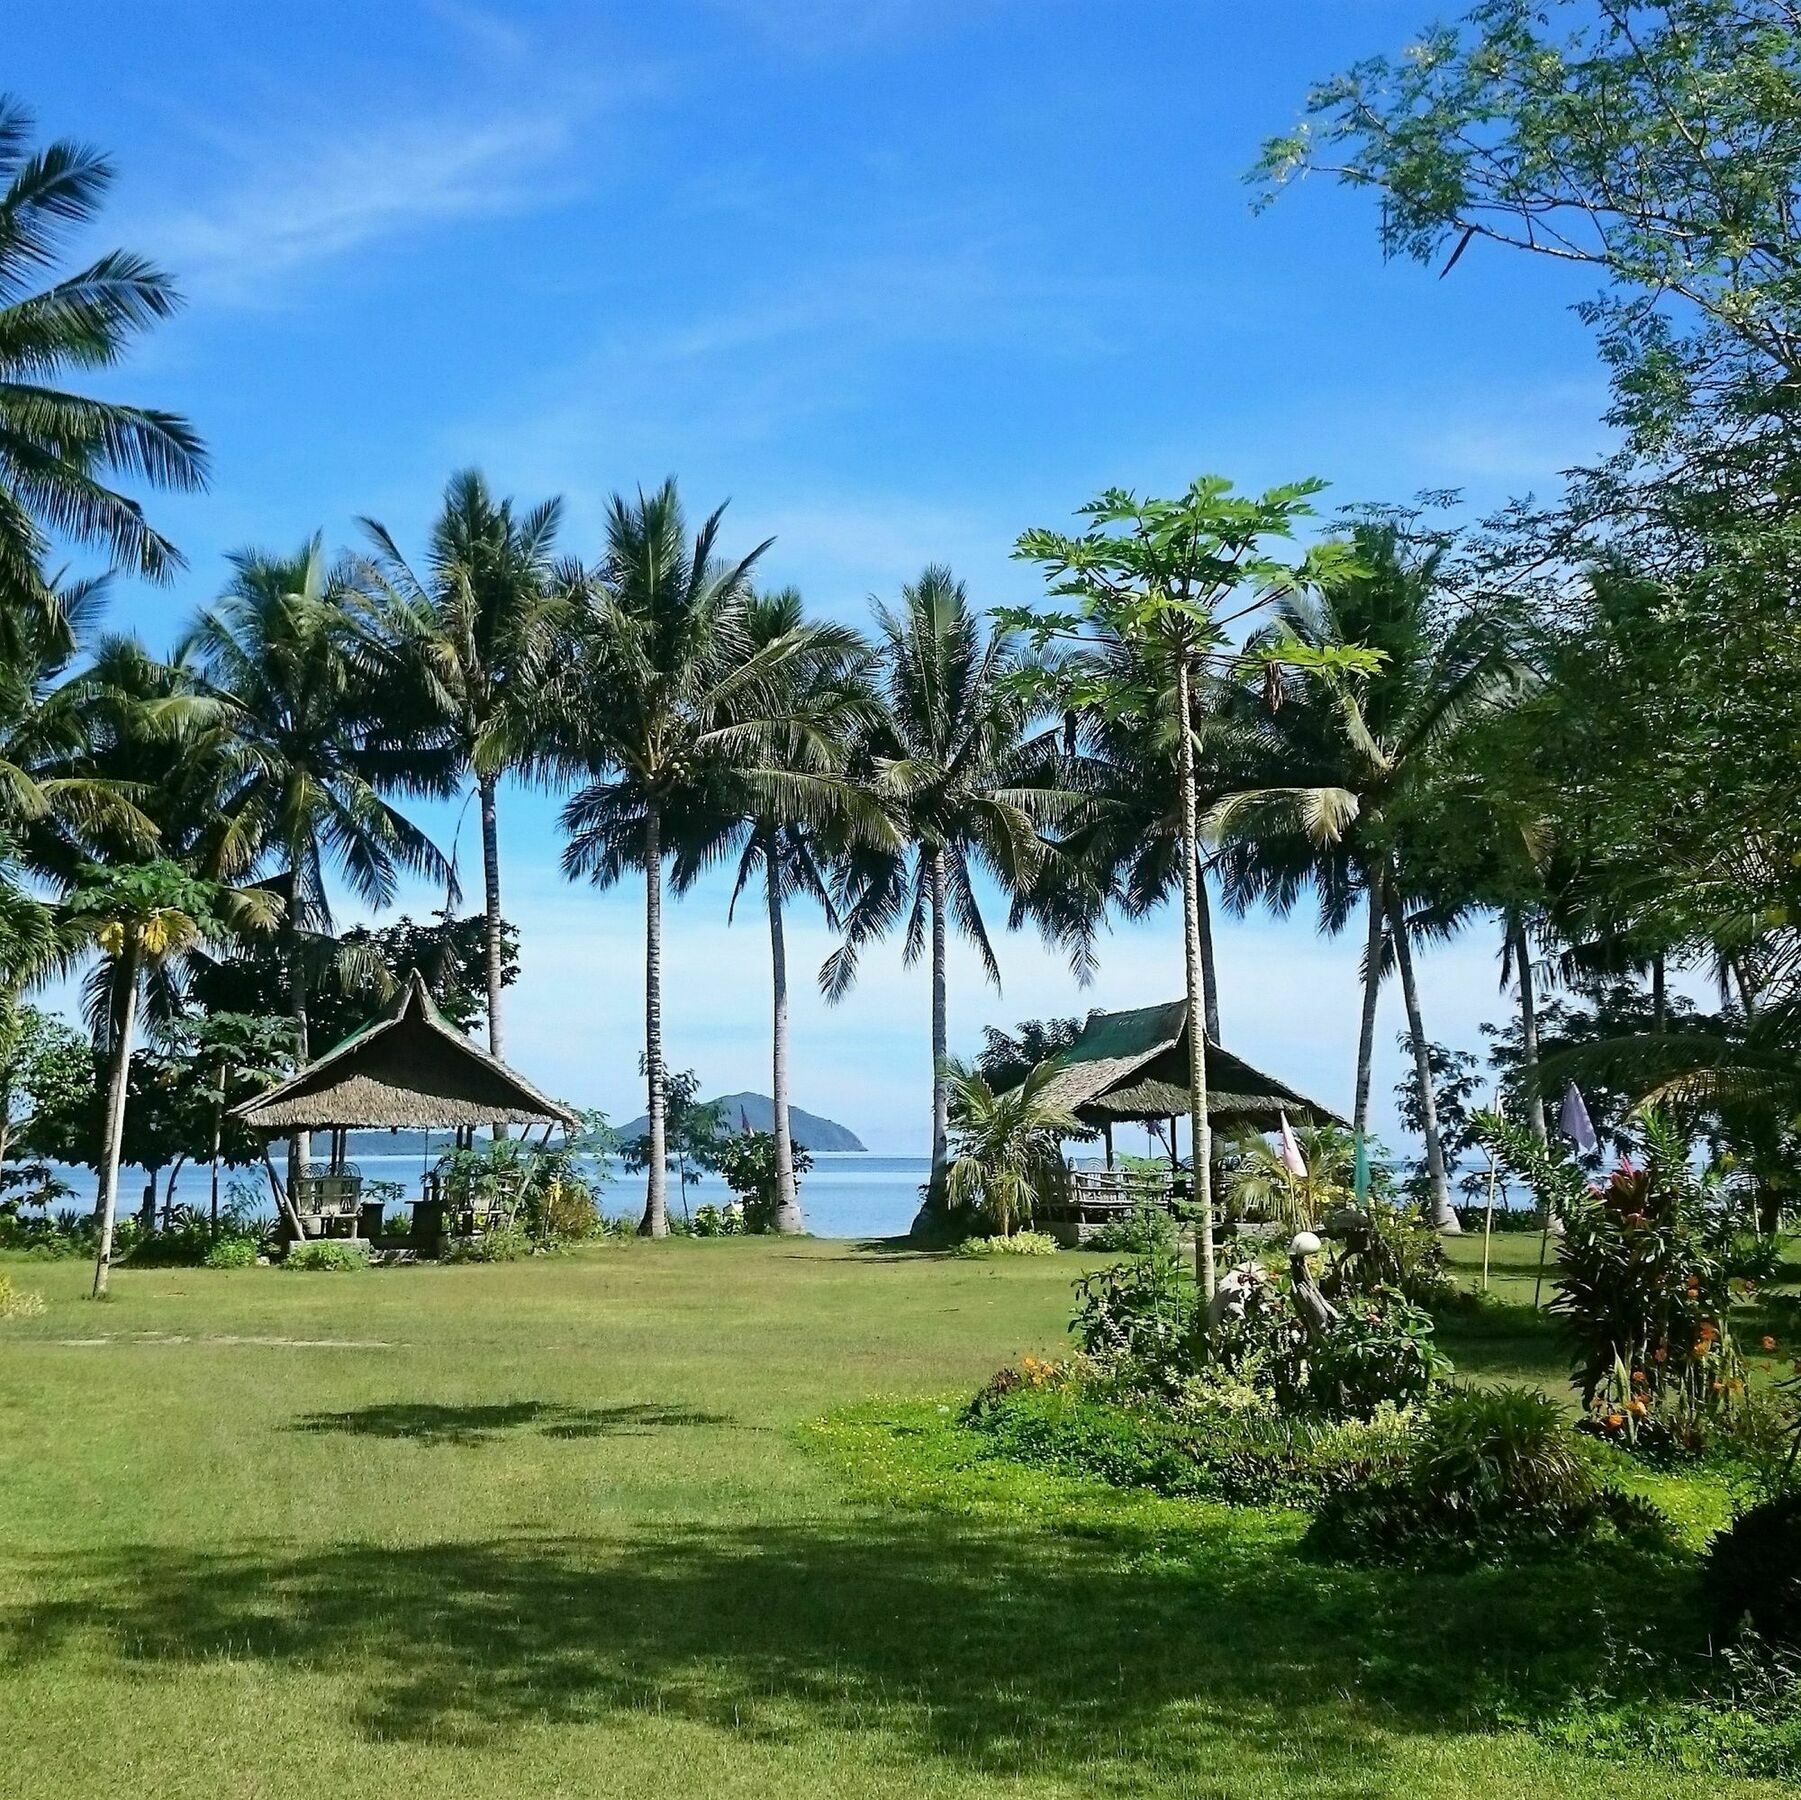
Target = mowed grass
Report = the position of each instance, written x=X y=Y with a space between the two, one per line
x=574 y=1527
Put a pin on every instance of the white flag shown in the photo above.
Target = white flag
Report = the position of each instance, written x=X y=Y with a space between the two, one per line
x=1292 y=1159
x=1574 y=1122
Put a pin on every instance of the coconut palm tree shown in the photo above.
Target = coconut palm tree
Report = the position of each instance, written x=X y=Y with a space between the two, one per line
x=970 y=787
x=316 y=694
x=1007 y=1148
x=785 y=833
x=140 y=917
x=659 y=700
x=481 y=620
x=1392 y=742
x=60 y=450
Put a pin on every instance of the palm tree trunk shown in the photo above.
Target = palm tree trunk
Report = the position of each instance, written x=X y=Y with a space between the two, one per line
x=941 y=1098
x=787 y=1205
x=300 y=1145
x=1444 y=1217
x=1522 y=964
x=656 y=1207
x=1209 y=971
x=218 y=1142
x=118 y=1080
x=1200 y=1134
x=1660 y=1006
x=491 y=903
x=1372 y=994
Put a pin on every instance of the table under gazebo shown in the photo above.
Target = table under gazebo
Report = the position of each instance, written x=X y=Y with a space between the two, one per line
x=1132 y=1067
x=409 y=1070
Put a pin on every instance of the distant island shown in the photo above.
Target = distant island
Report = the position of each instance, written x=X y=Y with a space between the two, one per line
x=756 y=1112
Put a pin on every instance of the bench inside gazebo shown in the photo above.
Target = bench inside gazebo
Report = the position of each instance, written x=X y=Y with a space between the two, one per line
x=410 y=1070
x=1132 y=1068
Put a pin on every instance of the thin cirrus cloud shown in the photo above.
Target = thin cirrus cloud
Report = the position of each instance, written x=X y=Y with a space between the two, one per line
x=281 y=206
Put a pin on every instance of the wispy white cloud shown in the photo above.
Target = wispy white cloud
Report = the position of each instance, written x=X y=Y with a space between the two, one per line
x=285 y=206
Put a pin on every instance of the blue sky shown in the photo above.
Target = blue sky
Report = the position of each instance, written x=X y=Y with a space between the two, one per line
x=898 y=278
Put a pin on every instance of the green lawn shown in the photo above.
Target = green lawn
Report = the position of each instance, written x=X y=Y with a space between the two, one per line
x=573 y=1527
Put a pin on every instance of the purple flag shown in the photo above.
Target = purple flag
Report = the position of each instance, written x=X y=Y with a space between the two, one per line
x=1292 y=1159
x=1573 y=1121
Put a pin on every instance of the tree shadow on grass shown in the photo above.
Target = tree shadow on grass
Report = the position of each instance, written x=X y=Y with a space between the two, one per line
x=427 y=1423
x=1103 y=1657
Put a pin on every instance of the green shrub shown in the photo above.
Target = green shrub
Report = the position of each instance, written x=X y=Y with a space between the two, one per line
x=232 y=1253
x=1217 y=1441
x=1144 y=1231
x=18 y=1302
x=1018 y=1243
x=504 y=1244
x=1754 y=1572
x=564 y=1212
x=716 y=1221
x=1642 y=1286
x=326 y=1256
x=1488 y=1471
x=1139 y=1317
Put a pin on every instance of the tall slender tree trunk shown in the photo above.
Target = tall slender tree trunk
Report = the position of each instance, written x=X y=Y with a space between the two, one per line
x=787 y=1204
x=1209 y=969
x=1372 y=995
x=1522 y=965
x=941 y=1093
x=300 y=1145
x=1660 y=1004
x=485 y=789
x=656 y=1207
x=218 y=1144
x=1444 y=1217
x=1200 y=1133
x=118 y=1081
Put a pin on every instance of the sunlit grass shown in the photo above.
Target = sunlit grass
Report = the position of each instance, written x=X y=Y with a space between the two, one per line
x=603 y=1525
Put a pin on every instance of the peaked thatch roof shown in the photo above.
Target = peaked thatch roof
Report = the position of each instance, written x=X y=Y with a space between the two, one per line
x=1134 y=1065
x=410 y=1068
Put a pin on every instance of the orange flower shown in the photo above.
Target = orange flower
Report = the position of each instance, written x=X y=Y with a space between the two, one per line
x=1639 y=1378
x=1614 y=1421
x=1637 y=1408
x=1660 y=1354
x=1769 y=1343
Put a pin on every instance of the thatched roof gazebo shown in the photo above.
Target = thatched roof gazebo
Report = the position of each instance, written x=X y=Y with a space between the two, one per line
x=411 y=1069
x=1134 y=1066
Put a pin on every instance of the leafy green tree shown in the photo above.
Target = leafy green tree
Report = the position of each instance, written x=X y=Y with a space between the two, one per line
x=786 y=833
x=1007 y=1057
x=694 y=1131
x=1156 y=578
x=41 y=1057
x=1654 y=146
x=365 y=968
x=140 y=917
x=59 y=450
x=221 y=1060
x=753 y=1169
x=970 y=786
x=482 y=621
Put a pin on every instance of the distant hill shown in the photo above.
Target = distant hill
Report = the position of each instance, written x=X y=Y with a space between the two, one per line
x=758 y=1112
x=758 y=1109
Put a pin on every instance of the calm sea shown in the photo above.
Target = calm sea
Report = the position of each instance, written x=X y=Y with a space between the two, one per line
x=849 y=1194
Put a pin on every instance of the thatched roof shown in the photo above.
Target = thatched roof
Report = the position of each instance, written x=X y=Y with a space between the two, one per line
x=1134 y=1065
x=411 y=1068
